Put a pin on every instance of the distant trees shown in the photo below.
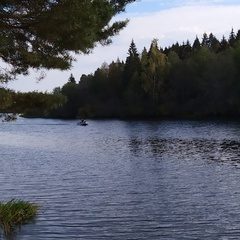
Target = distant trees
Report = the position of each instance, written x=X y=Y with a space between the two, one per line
x=132 y=64
x=156 y=71
x=205 y=83
x=5 y=98
x=30 y=103
x=184 y=80
x=71 y=79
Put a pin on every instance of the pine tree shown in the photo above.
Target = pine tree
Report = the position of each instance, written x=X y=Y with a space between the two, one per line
x=232 y=38
x=43 y=34
x=185 y=50
x=205 y=40
x=71 y=79
x=215 y=45
x=238 y=36
x=224 y=44
x=196 y=44
x=132 y=65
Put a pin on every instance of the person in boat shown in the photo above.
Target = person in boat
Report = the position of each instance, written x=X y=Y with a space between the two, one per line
x=82 y=122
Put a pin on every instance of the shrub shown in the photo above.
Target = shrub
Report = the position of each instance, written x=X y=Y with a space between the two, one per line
x=16 y=213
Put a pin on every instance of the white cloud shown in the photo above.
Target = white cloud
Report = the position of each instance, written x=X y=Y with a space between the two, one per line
x=169 y=26
x=180 y=24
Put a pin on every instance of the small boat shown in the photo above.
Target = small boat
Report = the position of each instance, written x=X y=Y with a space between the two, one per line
x=8 y=117
x=82 y=122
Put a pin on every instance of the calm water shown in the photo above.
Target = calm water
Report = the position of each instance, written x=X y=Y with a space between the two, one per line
x=124 y=179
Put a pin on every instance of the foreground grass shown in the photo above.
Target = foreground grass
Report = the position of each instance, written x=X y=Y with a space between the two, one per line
x=16 y=213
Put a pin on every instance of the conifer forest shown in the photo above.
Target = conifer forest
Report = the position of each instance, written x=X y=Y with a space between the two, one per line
x=201 y=79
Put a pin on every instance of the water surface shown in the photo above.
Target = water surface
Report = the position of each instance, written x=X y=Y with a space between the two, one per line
x=124 y=179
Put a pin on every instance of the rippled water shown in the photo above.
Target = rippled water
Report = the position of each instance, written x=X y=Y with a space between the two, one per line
x=124 y=179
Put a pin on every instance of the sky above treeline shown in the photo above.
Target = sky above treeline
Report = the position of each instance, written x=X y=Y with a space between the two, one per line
x=168 y=21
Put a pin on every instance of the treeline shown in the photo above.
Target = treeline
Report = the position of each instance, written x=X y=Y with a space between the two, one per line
x=184 y=80
x=36 y=103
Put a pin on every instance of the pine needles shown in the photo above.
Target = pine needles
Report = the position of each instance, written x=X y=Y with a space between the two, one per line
x=16 y=213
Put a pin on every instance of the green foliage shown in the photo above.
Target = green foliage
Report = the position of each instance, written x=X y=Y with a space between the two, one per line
x=5 y=98
x=196 y=44
x=16 y=213
x=156 y=71
x=30 y=102
x=201 y=80
x=132 y=65
x=42 y=34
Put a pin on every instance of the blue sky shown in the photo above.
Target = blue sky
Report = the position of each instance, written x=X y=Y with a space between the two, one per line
x=158 y=5
x=169 y=21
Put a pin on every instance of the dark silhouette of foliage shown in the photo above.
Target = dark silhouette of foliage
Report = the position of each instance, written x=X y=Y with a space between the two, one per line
x=30 y=103
x=184 y=80
x=71 y=79
x=232 y=38
x=196 y=44
x=45 y=33
x=132 y=64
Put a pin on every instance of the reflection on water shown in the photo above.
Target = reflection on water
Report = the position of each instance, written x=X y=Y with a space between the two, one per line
x=124 y=179
x=227 y=151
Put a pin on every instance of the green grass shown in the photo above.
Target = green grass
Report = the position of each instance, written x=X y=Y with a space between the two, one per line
x=16 y=213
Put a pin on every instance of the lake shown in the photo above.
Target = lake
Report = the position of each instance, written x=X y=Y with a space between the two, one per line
x=124 y=179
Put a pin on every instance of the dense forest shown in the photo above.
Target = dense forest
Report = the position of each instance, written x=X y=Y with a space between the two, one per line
x=184 y=80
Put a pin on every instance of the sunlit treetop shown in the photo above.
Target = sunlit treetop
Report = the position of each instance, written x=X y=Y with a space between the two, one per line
x=44 y=33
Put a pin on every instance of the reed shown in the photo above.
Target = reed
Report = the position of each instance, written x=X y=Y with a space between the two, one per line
x=16 y=213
